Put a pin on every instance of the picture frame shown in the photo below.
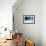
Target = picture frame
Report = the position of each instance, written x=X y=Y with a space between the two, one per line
x=28 y=19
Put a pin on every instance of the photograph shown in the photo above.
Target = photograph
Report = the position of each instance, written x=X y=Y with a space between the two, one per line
x=29 y=19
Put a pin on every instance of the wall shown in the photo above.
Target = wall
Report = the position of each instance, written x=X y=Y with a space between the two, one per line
x=30 y=31
x=6 y=13
x=6 y=16
x=43 y=22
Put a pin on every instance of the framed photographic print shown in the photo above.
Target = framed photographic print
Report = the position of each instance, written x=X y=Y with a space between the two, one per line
x=29 y=19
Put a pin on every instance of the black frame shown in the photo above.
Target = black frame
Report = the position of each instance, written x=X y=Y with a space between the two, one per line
x=29 y=16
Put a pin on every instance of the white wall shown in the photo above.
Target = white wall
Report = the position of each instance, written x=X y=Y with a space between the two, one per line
x=31 y=31
x=43 y=22
x=29 y=28
x=6 y=13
